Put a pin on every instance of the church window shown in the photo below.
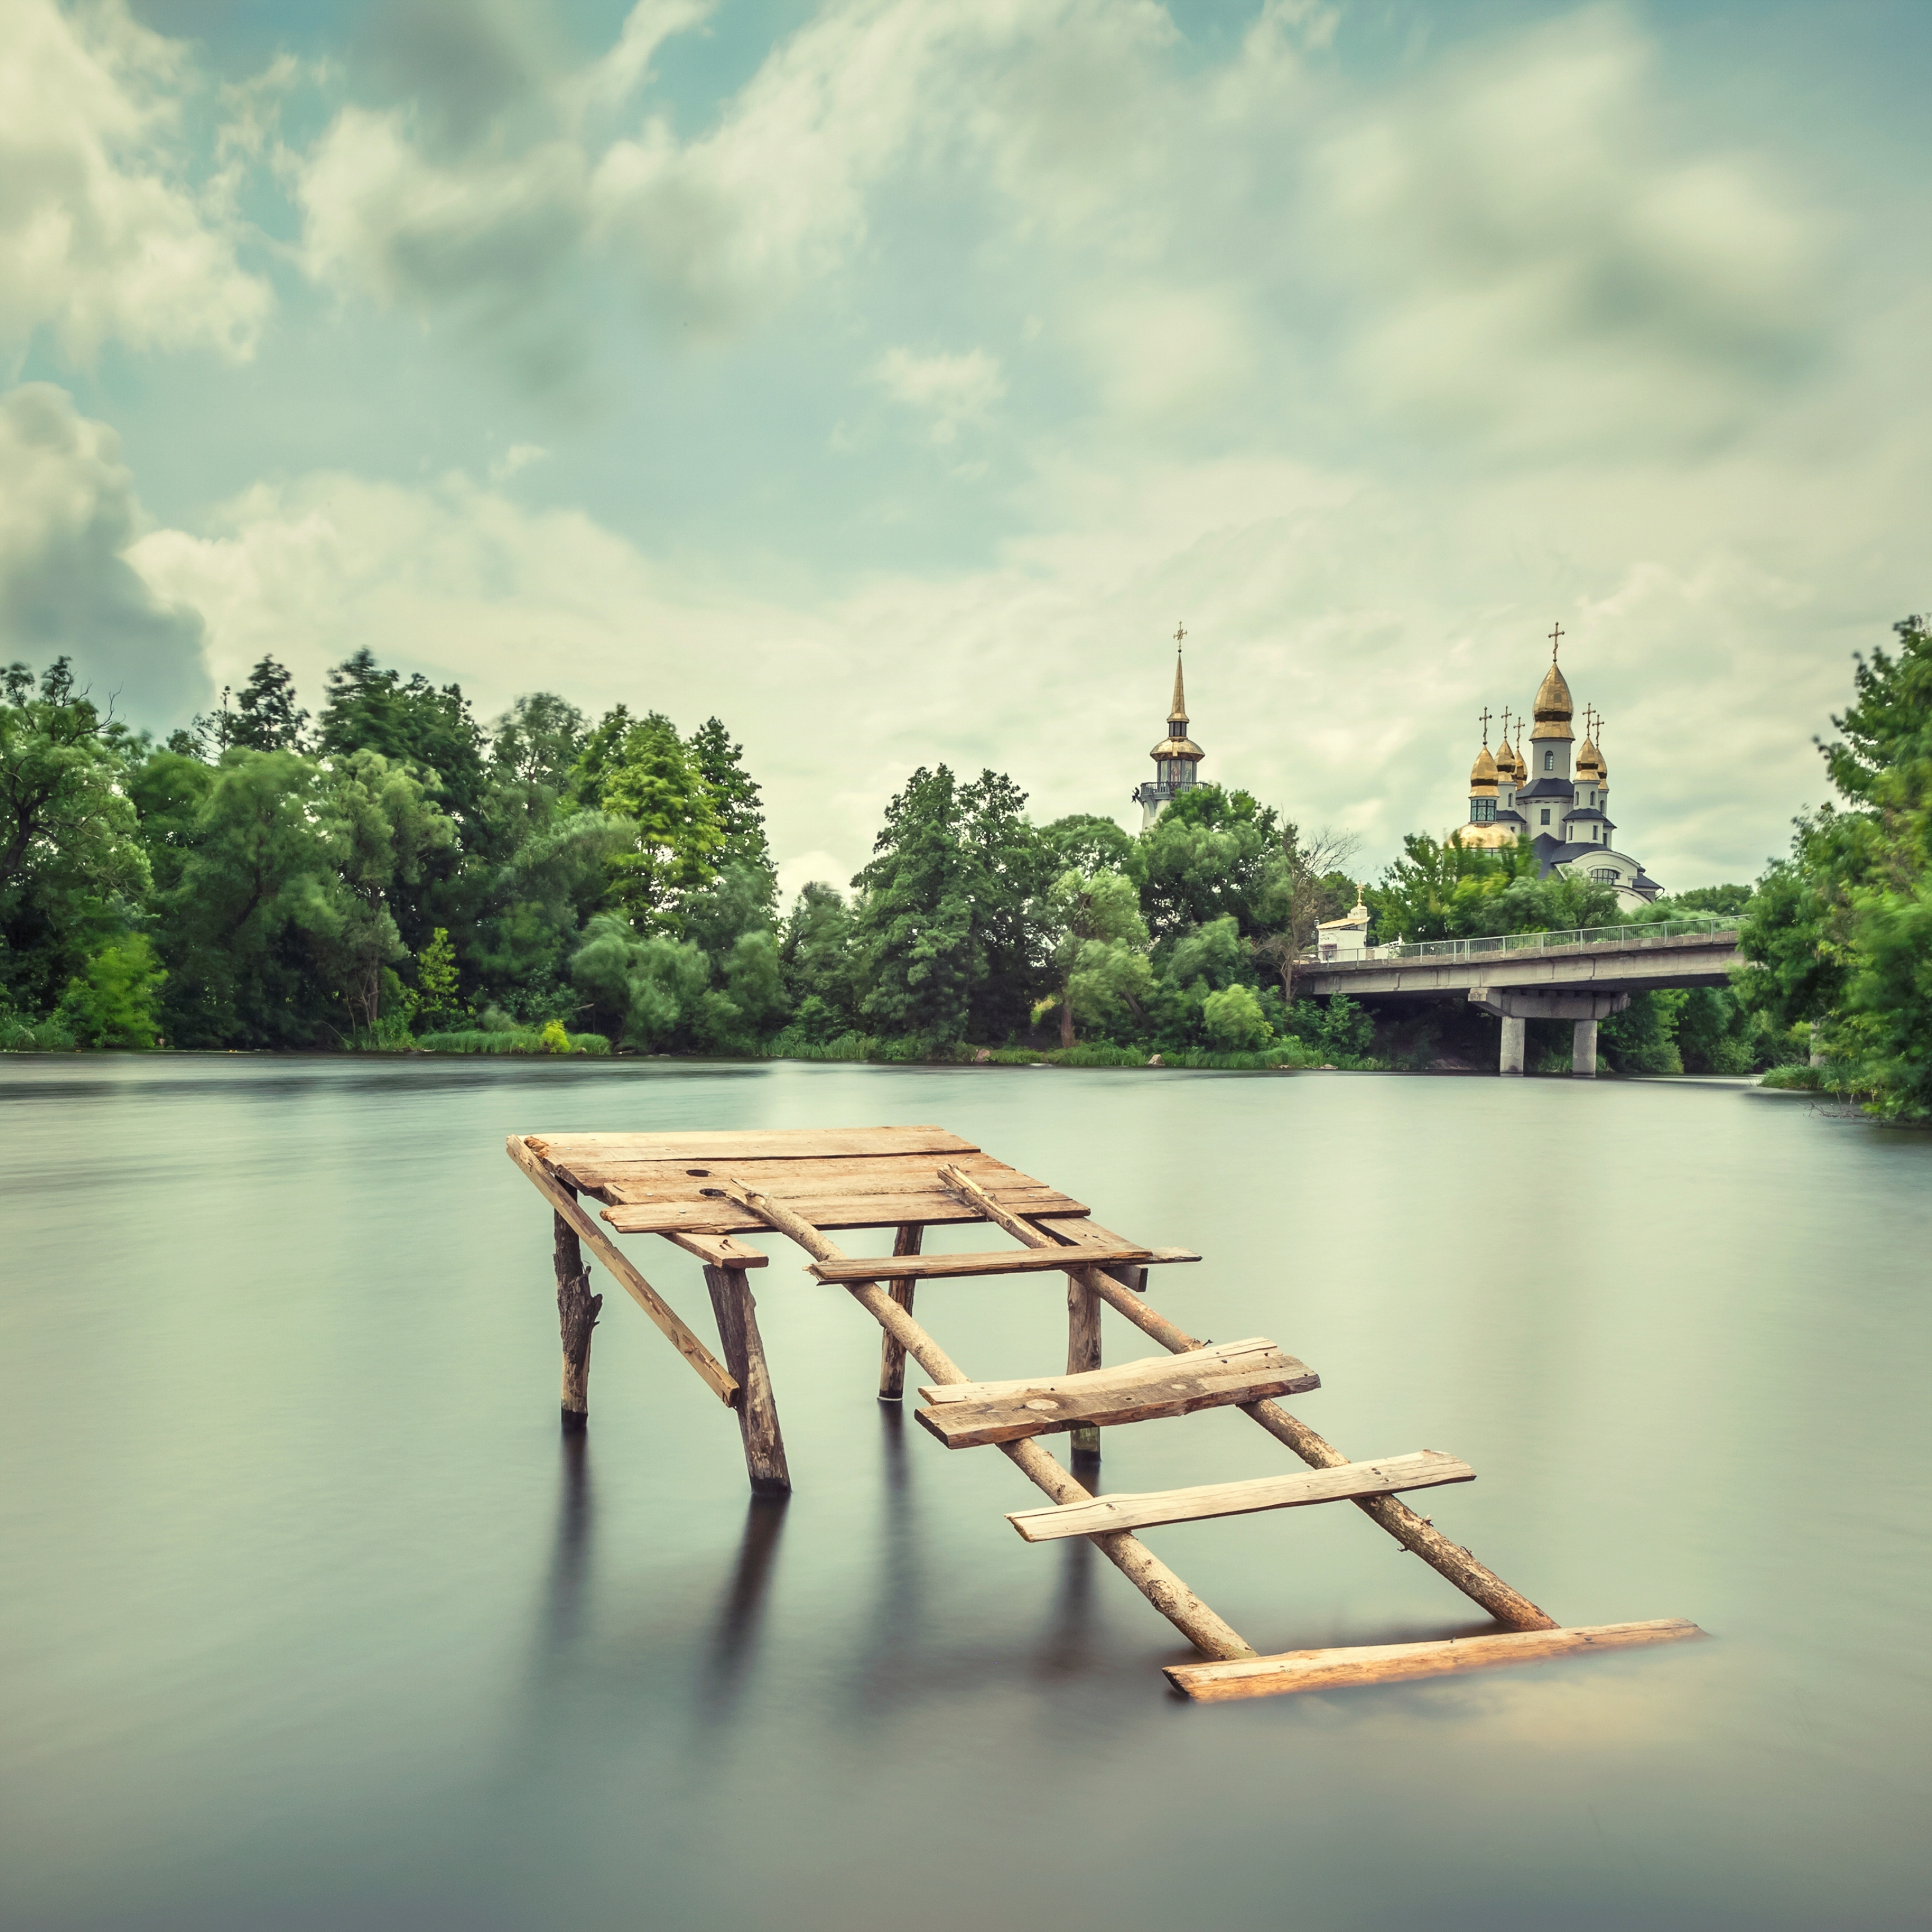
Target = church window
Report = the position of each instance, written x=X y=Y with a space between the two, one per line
x=1604 y=875
x=1546 y=814
x=1482 y=811
x=1549 y=761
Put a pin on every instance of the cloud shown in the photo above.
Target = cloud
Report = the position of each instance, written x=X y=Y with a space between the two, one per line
x=68 y=518
x=1538 y=262
x=101 y=237
x=950 y=389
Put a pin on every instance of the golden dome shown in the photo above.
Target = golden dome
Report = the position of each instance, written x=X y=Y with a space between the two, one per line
x=1183 y=747
x=1508 y=764
x=1589 y=759
x=1481 y=837
x=1483 y=771
x=1554 y=707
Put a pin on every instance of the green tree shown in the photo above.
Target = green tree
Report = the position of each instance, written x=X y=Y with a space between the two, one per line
x=819 y=952
x=942 y=920
x=644 y=990
x=1098 y=940
x=410 y=721
x=265 y=716
x=1206 y=857
x=71 y=867
x=116 y=1001
x=436 y=987
x=1840 y=934
x=734 y=801
x=1301 y=885
x=1233 y=1019
x=648 y=778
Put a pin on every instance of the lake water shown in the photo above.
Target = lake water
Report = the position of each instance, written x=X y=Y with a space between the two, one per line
x=309 y=1618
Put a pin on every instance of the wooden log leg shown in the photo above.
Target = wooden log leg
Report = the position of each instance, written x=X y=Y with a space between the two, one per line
x=577 y=1312
x=1083 y=1348
x=892 y=1351
x=744 y=1357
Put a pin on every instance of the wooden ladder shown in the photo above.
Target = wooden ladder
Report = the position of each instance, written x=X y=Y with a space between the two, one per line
x=1054 y=1234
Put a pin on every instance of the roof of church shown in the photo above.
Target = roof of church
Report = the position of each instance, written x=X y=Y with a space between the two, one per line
x=1549 y=787
x=1180 y=707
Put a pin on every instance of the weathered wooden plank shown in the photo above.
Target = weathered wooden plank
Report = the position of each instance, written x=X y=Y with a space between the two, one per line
x=1293 y=1670
x=1450 y=1561
x=1210 y=1634
x=745 y=1354
x=719 y=1250
x=687 y=1344
x=926 y=1267
x=628 y=1181
x=766 y=1143
x=892 y=1350
x=865 y=1210
x=1144 y=1391
x=1296 y=1490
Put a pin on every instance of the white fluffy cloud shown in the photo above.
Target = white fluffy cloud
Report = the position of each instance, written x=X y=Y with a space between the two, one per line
x=68 y=518
x=950 y=390
x=101 y=236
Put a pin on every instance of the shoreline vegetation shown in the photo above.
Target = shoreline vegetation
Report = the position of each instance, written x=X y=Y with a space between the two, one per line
x=400 y=876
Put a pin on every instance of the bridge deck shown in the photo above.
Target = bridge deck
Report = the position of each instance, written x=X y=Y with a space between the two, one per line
x=1626 y=966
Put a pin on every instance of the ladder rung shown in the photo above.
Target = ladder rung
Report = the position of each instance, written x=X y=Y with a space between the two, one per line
x=1422 y=1471
x=964 y=1415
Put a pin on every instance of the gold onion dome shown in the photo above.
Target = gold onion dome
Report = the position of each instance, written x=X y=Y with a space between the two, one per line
x=1589 y=759
x=1507 y=763
x=1483 y=771
x=1554 y=707
x=1178 y=744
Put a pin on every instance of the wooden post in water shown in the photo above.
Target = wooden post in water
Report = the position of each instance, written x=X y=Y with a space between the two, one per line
x=1083 y=1347
x=577 y=1312
x=744 y=1357
x=892 y=1350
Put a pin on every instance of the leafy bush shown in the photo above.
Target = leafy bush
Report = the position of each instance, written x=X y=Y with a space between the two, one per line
x=114 y=1002
x=514 y=1040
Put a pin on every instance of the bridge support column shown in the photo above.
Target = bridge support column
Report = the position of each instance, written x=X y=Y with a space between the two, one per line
x=1513 y=1035
x=1513 y=1008
x=1583 y=1051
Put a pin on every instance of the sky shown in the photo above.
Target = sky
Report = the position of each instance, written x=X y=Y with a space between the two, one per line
x=890 y=378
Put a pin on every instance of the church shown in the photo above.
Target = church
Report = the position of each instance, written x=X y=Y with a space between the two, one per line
x=1564 y=813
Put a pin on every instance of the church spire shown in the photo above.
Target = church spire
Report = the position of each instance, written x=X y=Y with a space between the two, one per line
x=1178 y=710
x=1176 y=758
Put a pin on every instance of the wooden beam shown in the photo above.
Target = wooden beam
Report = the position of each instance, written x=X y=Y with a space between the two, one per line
x=1449 y=1560
x=1219 y=1376
x=1209 y=1633
x=940 y=1267
x=729 y=1144
x=892 y=1351
x=1124 y=1511
x=710 y=1368
x=1295 y=1670
x=744 y=1355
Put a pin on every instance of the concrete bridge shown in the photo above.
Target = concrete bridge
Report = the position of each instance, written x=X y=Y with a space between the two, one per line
x=1582 y=976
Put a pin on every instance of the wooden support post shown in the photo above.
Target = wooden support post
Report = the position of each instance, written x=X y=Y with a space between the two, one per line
x=745 y=1357
x=577 y=1312
x=892 y=1351
x=1208 y=1633
x=1083 y=1345
x=1449 y=1560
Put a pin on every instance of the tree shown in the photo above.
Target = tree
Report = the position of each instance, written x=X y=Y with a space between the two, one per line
x=1302 y=885
x=382 y=827
x=1204 y=858
x=734 y=801
x=409 y=722
x=819 y=954
x=71 y=866
x=648 y=777
x=1098 y=940
x=1233 y=1019
x=942 y=920
x=533 y=751
x=264 y=717
x=1840 y=934
x=113 y=1003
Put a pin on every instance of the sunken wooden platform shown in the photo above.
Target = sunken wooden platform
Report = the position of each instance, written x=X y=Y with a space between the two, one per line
x=700 y=1191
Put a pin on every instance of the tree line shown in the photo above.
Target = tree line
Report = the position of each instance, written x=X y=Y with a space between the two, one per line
x=395 y=873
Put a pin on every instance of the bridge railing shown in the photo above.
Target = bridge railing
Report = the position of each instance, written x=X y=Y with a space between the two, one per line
x=1625 y=937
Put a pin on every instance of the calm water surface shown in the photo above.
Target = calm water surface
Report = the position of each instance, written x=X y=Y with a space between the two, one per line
x=308 y=1619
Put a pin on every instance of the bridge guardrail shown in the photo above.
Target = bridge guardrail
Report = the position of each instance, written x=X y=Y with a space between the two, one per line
x=1624 y=938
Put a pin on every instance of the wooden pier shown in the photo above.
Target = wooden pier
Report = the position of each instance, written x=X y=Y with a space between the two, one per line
x=701 y=1190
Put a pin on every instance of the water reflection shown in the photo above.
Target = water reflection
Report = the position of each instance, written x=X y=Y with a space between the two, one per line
x=570 y=1561
x=734 y=1640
